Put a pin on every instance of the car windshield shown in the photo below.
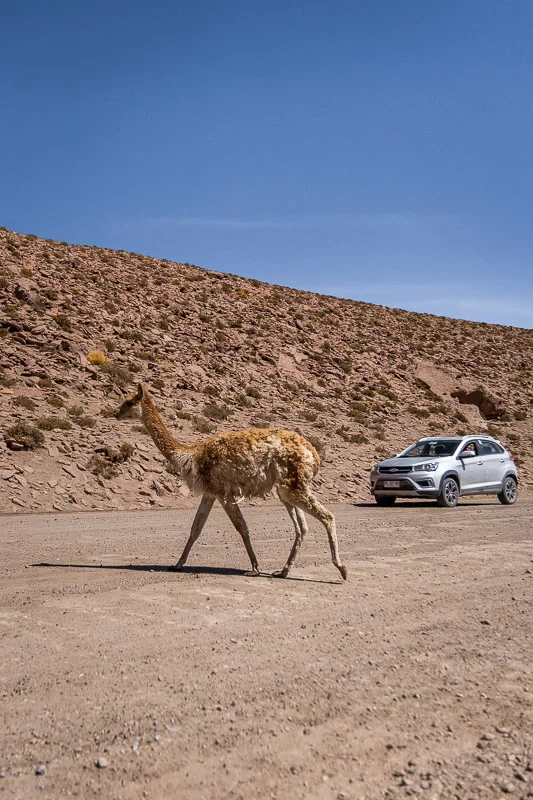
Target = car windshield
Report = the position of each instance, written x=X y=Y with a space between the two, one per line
x=431 y=448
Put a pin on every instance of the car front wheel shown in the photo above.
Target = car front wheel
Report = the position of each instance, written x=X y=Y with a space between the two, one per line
x=507 y=496
x=449 y=493
x=385 y=499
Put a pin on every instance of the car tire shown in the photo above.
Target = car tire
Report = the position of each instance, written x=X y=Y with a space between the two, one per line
x=449 y=493
x=507 y=496
x=385 y=499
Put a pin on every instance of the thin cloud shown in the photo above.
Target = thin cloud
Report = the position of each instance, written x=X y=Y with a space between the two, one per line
x=381 y=221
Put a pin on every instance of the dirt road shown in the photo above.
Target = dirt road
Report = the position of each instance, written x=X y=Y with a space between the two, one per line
x=122 y=680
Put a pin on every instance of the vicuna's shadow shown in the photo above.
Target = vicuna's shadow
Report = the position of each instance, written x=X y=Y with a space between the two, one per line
x=188 y=570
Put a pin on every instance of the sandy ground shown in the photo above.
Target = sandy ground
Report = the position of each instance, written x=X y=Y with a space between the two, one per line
x=122 y=680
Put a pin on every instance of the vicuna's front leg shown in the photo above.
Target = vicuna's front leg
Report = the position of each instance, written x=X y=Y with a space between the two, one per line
x=300 y=527
x=233 y=511
x=206 y=504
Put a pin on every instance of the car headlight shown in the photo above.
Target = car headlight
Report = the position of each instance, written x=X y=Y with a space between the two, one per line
x=428 y=466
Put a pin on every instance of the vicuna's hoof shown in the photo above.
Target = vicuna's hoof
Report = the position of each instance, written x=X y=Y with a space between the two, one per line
x=280 y=573
x=343 y=571
x=175 y=567
x=253 y=573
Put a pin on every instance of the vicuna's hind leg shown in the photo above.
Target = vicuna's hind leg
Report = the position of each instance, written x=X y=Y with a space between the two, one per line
x=233 y=511
x=306 y=501
x=300 y=527
x=206 y=504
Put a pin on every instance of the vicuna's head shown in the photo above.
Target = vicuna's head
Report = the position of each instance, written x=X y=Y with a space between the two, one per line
x=131 y=406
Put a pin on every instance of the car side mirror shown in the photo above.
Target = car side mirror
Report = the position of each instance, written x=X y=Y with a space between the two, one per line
x=467 y=454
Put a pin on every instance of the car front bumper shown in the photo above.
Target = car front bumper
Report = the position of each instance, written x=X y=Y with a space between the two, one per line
x=422 y=485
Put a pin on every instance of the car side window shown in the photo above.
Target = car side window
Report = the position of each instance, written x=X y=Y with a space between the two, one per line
x=490 y=449
x=470 y=447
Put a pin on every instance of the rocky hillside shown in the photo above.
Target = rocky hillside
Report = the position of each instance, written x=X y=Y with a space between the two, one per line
x=80 y=325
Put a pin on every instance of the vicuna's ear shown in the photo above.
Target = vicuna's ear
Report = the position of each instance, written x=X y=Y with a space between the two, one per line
x=140 y=391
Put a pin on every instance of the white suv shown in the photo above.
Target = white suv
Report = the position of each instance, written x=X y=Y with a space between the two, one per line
x=444 y=468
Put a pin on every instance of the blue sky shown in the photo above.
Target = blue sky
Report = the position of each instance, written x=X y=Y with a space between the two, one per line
x=375 y=150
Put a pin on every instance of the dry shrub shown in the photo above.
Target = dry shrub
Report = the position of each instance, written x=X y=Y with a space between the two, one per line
x=318 y=444
x=5 y=380
x=55 y=400
x=24 y=402
x=104 y=462
x=28 y=436
x=214 y=411
x=203 y=425
x=119 y=375
x=85 y=421
x=64 y=322
x=53 y=423
x=96 y=357
x=101 y=467
x=45 y=383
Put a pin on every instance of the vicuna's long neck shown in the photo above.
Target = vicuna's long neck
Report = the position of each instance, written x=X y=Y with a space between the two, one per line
x=163 y=439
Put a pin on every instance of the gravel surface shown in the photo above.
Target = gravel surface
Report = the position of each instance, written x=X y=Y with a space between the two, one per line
x=122 y=680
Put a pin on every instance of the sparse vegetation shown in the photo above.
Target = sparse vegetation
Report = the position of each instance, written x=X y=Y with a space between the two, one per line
x=53 y=423
x=389 y=394
x=45 y=383
x=96 y=357
x=214 y=411
x=203 y=425
x=101 y=467
x=104 y=463
x=64 y=322
x=5 y=380
x=420 y=413
x=352 y=438
x=126 y=450
x=25 y=435
x=317 y=443
x=80 y=418
x=25 y=402
x=119 y=375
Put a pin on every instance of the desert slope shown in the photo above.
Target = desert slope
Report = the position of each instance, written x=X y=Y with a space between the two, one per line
x=222 y=352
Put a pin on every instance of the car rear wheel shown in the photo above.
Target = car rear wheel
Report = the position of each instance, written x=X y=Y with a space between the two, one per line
x=449 y=493
x=385 y=499
x=507 y=496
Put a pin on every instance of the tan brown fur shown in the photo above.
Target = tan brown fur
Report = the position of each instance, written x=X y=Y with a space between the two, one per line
x=247 y=463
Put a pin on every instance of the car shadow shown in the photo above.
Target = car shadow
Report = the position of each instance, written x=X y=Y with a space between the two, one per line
x=421 y=504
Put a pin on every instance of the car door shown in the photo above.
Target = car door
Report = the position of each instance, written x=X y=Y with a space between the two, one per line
x=495 y=464
x=471 y=470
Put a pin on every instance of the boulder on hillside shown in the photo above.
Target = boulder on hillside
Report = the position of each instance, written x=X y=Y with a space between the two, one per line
x=490 y=406
x=27 y=292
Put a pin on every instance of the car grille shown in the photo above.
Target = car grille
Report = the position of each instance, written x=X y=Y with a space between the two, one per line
x=393 y=470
